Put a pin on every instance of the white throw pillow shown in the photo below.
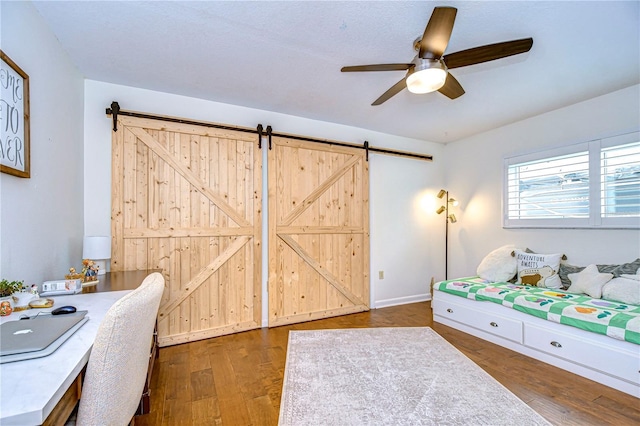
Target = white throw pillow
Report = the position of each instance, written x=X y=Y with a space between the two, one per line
x=499 y=265
x=538 y=269
x=632 y=277
x=623 y=290
x=589 y=281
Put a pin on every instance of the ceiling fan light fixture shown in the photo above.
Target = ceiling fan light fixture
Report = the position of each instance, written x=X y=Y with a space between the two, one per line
x=427 y=76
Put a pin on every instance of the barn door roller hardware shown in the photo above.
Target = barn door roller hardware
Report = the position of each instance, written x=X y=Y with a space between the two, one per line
x=259 y=129
x=269 y=134
x=114 y=110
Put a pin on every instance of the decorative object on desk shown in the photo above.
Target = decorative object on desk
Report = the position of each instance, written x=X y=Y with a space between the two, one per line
x=5 y=307
x=450 y=217
x=73 y=275
x=21 y=300
x=41 y=303
x=89 y=270
x=7 y=289
x=15 y=129
x=97 y=249
x=61 y=287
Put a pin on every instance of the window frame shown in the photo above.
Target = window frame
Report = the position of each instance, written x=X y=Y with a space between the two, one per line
x=595 y=219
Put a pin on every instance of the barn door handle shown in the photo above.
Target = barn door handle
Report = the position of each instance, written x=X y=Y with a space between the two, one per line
x=555 y=344
x=493 y=324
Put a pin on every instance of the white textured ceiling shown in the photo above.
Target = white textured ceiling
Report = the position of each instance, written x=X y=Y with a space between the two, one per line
x=286 y=56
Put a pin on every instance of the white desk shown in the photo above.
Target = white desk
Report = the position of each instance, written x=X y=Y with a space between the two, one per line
x=29 y=390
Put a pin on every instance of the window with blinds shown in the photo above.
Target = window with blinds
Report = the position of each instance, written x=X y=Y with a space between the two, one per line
x=594 y=184
x=552 y=188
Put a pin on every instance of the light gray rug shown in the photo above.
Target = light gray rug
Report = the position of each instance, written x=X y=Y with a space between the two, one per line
x=391 y=376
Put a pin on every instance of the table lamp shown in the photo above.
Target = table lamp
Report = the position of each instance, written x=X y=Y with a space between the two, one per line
x=97 y=249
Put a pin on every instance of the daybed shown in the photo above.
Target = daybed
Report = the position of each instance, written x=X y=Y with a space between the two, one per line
x=592 y=337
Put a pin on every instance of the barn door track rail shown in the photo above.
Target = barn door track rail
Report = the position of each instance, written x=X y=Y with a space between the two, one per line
x=114 y=110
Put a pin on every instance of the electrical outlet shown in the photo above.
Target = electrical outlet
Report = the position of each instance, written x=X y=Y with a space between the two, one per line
x=381 y=275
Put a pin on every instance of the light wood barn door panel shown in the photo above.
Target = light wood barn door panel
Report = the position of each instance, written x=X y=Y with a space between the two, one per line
x=318 y=231
x=186 y=199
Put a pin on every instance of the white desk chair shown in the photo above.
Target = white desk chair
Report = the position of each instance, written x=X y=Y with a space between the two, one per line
x=119 y=358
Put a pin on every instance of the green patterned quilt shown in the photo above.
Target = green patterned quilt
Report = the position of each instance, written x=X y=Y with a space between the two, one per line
x=601 y=316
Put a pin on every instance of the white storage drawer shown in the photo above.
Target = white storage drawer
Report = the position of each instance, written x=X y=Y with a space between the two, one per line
x=491 y=323
x=621 y=364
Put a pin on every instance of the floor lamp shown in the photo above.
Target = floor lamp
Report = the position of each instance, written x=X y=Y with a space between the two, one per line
x=449 y=217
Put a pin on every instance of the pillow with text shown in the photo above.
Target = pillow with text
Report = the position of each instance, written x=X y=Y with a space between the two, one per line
x=540 y=270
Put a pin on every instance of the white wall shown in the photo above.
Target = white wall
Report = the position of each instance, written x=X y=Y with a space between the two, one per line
x=41 y=217
x=400 y=234
x=406 y=234
x=474 y=176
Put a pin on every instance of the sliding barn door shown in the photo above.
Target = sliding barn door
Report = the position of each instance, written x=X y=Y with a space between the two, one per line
x=186 y=199
x=318 y=231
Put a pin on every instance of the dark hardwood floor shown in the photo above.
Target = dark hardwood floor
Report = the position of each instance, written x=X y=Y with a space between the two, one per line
x=237 y=379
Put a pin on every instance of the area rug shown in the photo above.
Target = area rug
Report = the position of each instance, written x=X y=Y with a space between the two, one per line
x=391 y=376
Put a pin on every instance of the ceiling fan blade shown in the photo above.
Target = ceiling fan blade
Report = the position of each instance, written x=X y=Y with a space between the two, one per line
x=394 y=90
x=452 y=88
x=437 y=33
x=490 y=52
x=377 y=67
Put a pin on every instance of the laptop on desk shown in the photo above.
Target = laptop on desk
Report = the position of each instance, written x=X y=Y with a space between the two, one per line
x=37 y=337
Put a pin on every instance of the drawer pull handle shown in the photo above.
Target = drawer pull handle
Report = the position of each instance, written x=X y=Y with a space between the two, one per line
x=493 y=324
x=450 y=310
x=556 y=344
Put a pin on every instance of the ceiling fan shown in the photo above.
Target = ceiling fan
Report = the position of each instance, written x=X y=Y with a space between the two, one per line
x=428 y=71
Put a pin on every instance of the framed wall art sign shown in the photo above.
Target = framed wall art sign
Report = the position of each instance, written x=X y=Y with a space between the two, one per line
x=14 y=118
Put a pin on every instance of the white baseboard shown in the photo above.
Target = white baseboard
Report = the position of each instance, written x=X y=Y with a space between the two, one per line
x=401 y=300
x=382 y=303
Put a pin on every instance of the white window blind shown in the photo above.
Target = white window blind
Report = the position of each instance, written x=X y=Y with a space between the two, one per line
x=620 y=174
x=594 y=184
x=551 y=188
